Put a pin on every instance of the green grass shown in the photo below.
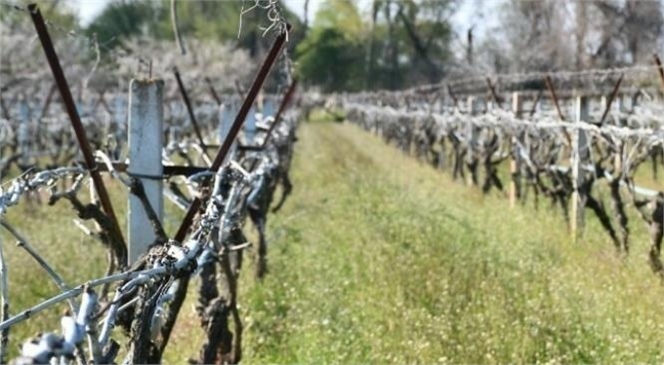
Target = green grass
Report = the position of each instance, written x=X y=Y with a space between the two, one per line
x=377 y=258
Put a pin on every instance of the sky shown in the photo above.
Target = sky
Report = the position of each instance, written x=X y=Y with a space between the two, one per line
x=470 y=12
x=88 y=9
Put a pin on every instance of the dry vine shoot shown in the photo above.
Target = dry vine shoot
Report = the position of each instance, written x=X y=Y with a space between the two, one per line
x=572 y=151
x=218 y=183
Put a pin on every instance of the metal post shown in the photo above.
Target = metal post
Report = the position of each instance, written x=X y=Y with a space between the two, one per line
x=190 y=110
x=119 y=248
x=282 y=108
x=213 y=92
x=146 y=115
x=606 y=103
x=494 y=95
x=225 y=147
x=660 y=70
x=554 y=97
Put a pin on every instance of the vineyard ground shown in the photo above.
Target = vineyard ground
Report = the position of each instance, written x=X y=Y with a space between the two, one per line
x=377 y=258
x=380 y=259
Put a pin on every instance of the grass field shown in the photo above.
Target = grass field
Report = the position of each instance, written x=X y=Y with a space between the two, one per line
x=377 y=258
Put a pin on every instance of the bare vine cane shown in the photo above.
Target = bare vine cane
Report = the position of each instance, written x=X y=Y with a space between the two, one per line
x=176 y=304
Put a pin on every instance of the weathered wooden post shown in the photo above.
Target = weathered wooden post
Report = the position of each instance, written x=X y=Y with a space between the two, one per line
x=146 y=115
x=517 y=108
x=580 y=153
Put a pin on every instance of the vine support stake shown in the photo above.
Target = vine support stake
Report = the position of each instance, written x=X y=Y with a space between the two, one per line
x=213 y=92
x=235 y=128
x=492 y=89
x=146 y=115
x=453 y=96
x=607 y=107
x=660 y=69
x=282 y=107
x=579 y=155
x=190 y=110
x=70 y=106
x=219 y=159
x=554 y=97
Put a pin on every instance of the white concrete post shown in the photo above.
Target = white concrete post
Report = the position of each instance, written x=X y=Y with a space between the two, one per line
x=146 y=115
x=225 y=121
x=269 y=108
x=227 y=113
x=580 y=154
x=250 y=126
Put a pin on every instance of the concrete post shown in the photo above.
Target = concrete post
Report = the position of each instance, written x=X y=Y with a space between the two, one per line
x=146 y=115
x=580 y=154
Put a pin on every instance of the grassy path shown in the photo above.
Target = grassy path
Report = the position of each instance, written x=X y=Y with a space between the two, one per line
x=379 y=259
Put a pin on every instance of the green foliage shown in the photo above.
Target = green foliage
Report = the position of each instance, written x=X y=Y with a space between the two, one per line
x=342 y=15
x=405 y=43
x=331 y=56
x=51 y=11
x=327 y=58
x=123 y=19
x=211 y=20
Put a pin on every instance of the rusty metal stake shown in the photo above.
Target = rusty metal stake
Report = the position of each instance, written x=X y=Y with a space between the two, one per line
x=5 y=110
x=70 y=106
x=187 y=103
x=537 y=99
x=611 y=98
x=280 y=111
x=554 y=97
x=235 y=128
x=213 y=92
x=453 y=96
x=660 y=69
x=180 y=294
x=492 y=89
x=47 y=102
